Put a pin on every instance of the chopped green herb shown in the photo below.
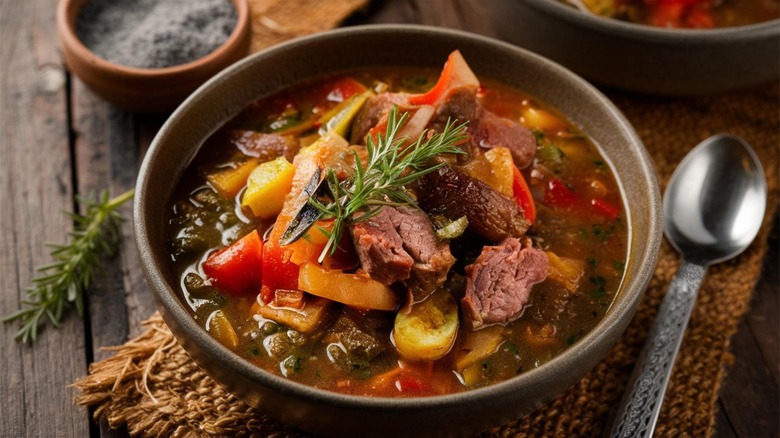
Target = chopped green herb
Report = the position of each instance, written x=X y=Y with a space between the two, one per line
x=599 y=282
x=592 y=262
x=619 y=266
x=416 y=84
x=574 y=337
x=292 y=363
x=453 y=229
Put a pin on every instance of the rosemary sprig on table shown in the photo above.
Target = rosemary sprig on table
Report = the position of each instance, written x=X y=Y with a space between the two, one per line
x=382 y=182
x=62 y=283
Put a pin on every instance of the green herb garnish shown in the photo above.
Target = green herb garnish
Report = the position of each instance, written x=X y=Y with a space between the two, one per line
x=62 y=283
x=390 y=168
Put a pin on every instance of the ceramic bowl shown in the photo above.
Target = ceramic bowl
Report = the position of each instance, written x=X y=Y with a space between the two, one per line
x=642 y=58
x=146 y=89
x=335 y=414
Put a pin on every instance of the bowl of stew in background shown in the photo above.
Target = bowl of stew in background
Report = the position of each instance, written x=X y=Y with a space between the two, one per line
x=635 y=48
x=411 y=346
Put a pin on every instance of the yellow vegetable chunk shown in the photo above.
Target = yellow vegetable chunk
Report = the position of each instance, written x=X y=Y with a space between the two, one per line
x=220 y=328
x=428 y=331
x=472 y=374
x=339 y=119
x=228 y=182
x=307 y=319
x=267 y=187
x=565 y=271
x=500 y=160
x=478 y=345
x=541 y=119
x=350 y=289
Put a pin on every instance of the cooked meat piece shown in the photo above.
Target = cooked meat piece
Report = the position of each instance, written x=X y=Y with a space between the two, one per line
x=381 y=248
x=360 y=342
x=432 y=258
x=399 y=244
x=460 y=104
x=453 y=194
x=486 y=129
x=373 y=111
x=499 y=282
x=491 y=131
x=264 y=146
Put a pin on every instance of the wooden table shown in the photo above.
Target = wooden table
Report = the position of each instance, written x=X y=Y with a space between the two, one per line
x=58 y=139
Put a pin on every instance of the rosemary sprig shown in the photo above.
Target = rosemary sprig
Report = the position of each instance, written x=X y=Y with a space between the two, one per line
x=388 y=170
x=62 y=283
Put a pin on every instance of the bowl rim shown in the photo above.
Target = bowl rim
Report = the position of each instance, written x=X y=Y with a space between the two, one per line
x=624 y=29
x=171 y=306
x=67 y=28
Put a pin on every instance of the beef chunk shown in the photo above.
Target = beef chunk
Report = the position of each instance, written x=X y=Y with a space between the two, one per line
x=490 y=130
x=374 y=110
x=432 y=258
x=453 y=194
x=359 y=342
x=399 y=244
x=486 y=129
x=264 y=146
x=459 y=104
x=499 y=282
x=381 y=248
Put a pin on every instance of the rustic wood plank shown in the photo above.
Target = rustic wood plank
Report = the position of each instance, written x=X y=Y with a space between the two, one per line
x=764 y=318
x=723 y=428
x=107 y=157
x=749 y=397
x=140 y=303
x=36 y=185
x=97 y=128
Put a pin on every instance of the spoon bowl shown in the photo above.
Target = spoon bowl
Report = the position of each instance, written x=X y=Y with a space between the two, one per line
x=713 y=208
x=715 y=200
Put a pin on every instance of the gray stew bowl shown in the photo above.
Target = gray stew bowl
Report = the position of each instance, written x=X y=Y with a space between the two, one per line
x=642 y=58
x=340 y=415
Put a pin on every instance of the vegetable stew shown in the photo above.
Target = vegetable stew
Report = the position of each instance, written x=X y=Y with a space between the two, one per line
x=684 y=14
x=398 y=232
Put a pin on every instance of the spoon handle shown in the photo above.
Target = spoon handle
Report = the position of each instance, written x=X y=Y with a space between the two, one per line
x=644 y=394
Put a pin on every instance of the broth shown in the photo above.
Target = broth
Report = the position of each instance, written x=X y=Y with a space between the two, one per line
x=580 y=225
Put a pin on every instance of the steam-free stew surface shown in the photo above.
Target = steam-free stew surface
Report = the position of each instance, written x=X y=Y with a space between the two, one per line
x=685 y=14
x=580 y=223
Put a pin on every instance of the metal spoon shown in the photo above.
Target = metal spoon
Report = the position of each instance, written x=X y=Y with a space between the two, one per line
x=713 y=209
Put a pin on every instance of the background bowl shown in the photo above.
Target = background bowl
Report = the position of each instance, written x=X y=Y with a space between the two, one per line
x=146 y=89
x=268 y=72
x=642 y=58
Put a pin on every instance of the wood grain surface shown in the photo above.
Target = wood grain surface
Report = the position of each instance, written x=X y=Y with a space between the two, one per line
x=56 y=137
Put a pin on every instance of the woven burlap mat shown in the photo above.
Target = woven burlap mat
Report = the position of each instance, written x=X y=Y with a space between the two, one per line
x=153 y=388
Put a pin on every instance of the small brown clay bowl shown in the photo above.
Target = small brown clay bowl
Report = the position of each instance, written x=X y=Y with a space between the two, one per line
x=146 y=89
x=270 y=71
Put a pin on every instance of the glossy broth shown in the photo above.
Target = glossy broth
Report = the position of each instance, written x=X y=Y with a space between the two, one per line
x=201 y=221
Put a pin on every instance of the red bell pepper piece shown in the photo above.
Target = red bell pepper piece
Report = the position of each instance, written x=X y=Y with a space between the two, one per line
x=410 y=384
x=666 y=14
x=699 y=18
x=560 y=195
x=456 y=73
x=342 y=89
x=605 y=208
x=522 y=195
x=278 y=271
x=236 y=270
